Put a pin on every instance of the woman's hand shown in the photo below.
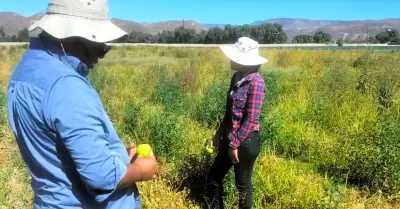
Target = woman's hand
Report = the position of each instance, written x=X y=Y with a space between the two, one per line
x=234 y=154
x=214 y=142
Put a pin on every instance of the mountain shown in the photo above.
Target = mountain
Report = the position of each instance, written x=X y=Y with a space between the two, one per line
x=129 y=26
x=348 y=30
x=215 y=25
x=299 y=24
x=12 y=23
x=171 y=25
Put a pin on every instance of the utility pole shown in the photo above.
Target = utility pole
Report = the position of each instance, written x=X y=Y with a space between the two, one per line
x=183 y=22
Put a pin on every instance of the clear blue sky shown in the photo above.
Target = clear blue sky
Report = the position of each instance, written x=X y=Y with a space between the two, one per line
x=230 y=11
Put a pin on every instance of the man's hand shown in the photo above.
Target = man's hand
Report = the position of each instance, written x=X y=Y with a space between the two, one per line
x=131 y=149
x=234 y=154
x=147 y=167
x=140 y=169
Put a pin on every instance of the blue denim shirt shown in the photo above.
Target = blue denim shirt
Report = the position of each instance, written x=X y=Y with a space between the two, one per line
x=66 y=138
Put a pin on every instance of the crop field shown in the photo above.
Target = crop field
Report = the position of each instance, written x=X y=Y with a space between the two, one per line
x=330 y=125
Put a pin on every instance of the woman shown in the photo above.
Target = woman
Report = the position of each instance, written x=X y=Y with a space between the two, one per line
x=237 y=137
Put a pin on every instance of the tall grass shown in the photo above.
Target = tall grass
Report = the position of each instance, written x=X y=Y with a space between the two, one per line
x=327 y=110
x=329 y=126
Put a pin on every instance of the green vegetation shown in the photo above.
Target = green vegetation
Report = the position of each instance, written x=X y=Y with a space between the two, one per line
x=266 y=33
x=319 y=37
x=303 y=39
x=330 y=125
x=22 y=36
x=339 y=42
x=391 y=36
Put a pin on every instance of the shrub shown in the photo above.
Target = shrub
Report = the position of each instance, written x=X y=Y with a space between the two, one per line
x=100 y=80
x=188 y=77
x=339 y=42
x=168 y=93
x=165 y=133
x=12 y=50
x=2 y=55
x=389 y=145
x=211 y=109
x=3 y=108
x=131 y=118
x=192 y=175
x=365 y=61
x=284 y=59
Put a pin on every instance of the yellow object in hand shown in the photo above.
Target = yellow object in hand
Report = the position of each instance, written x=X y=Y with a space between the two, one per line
x=210 y=150
x=144 y=150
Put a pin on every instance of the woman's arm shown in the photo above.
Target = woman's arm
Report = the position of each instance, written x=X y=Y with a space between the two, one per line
x=222 y=125
x=253 y=109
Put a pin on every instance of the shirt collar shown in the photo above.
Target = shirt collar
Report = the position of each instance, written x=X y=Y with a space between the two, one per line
x=247 y=78
x=57 y=52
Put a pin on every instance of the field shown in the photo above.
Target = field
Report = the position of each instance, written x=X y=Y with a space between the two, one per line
x=330 y=125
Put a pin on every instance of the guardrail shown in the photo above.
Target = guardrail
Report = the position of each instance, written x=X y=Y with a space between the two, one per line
x=214 y=45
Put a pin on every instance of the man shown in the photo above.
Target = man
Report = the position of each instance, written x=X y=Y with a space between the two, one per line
x=65 y=137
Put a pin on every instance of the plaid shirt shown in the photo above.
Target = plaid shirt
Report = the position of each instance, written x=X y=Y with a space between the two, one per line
x=248 y=95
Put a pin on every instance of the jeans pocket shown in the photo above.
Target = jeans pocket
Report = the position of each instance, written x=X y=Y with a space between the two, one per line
x=251 y=146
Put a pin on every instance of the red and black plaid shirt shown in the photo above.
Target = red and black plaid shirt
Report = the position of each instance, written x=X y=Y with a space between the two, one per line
x=246 y=97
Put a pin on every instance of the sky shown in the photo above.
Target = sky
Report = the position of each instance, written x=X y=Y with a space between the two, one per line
x=230 y=11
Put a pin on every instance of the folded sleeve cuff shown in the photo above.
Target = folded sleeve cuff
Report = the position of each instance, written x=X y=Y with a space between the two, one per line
x=234 y=141
x=120 y=170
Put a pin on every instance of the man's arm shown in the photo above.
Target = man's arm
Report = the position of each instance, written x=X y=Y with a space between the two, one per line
x=74 y=111
x=142 y=169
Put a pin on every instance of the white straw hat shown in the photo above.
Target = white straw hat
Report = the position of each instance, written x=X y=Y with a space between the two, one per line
x=244 y=52
x=88 y=19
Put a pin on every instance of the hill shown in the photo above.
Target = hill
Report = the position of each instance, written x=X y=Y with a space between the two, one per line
x=12 y=23
x=348 y=30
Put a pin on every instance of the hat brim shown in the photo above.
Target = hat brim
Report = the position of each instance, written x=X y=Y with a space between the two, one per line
x=62 y=26
x=242 y=58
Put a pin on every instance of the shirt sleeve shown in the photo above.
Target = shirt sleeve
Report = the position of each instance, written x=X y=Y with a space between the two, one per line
x=255 y=98
x=74 y=111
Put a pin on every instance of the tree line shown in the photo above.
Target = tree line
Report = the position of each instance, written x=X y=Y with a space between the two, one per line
x=21 y=36
x=391 y=36
x=265 y=34
x=319 y=37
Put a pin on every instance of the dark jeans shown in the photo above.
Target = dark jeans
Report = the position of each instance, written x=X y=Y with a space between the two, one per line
x=248 y=153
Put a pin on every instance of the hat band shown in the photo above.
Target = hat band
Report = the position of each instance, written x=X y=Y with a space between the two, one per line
x=247 y=51
x=63 y=10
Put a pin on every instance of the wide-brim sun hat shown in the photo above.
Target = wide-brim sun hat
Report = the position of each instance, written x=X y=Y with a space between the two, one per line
x=244 y=52
x=88 y=19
